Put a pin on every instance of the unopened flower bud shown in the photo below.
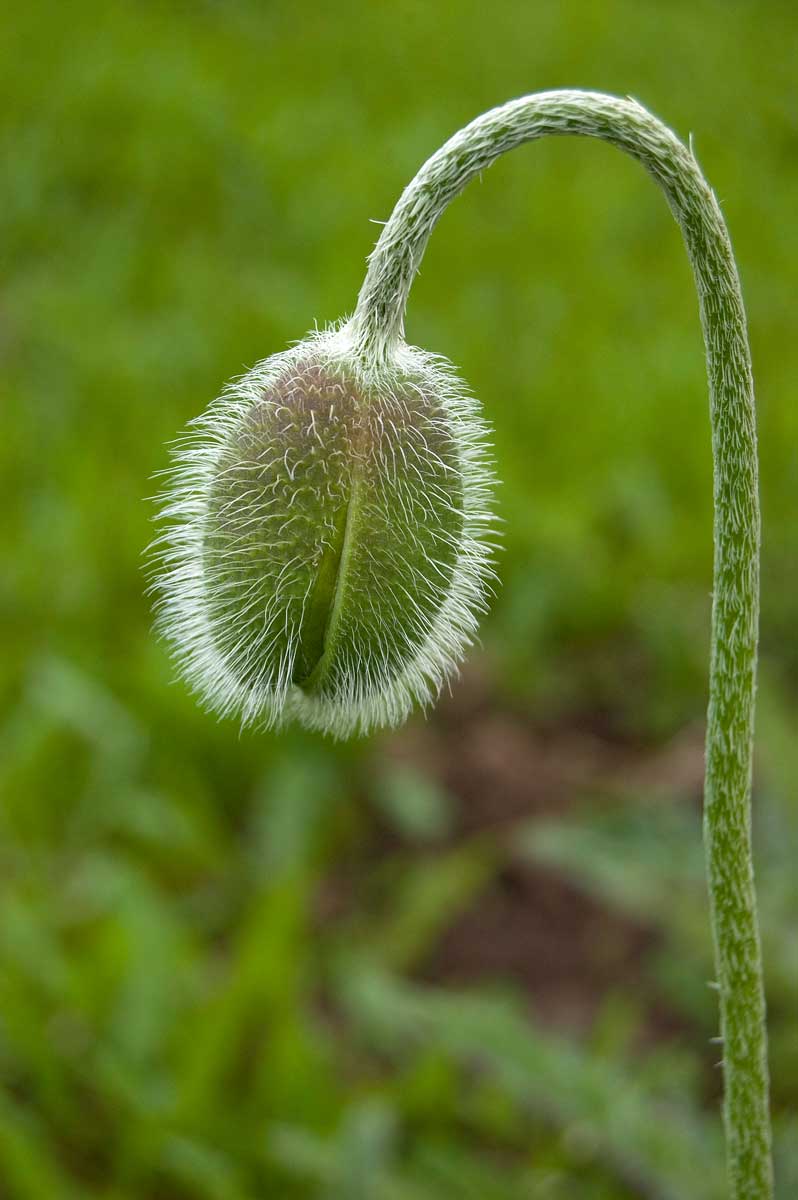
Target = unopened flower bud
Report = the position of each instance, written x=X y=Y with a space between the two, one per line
x=327 y=548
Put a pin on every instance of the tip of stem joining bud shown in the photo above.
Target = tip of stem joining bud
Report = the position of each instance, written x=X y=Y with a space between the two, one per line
x=327 y=541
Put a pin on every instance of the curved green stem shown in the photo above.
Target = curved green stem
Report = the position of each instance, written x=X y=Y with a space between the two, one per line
x=377 y=327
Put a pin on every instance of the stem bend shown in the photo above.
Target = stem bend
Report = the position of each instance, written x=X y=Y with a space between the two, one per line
x=377 y=328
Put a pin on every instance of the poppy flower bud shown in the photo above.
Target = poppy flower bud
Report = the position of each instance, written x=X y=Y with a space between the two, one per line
x=327 y=551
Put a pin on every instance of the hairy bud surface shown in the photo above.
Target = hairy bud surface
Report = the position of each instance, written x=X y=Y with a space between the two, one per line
x=327 y=548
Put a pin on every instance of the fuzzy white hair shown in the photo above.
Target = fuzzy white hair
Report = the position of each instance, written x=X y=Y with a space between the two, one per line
x=232 y=606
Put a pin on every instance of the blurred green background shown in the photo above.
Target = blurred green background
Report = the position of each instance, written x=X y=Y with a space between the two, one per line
x=470 y=958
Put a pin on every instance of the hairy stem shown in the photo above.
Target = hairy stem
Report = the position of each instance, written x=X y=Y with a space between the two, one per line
x=377 y=327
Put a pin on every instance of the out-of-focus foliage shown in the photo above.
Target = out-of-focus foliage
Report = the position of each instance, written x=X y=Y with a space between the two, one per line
x=226 y=962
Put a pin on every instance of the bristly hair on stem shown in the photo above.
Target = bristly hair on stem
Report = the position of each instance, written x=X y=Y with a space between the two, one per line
x=378 y=328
